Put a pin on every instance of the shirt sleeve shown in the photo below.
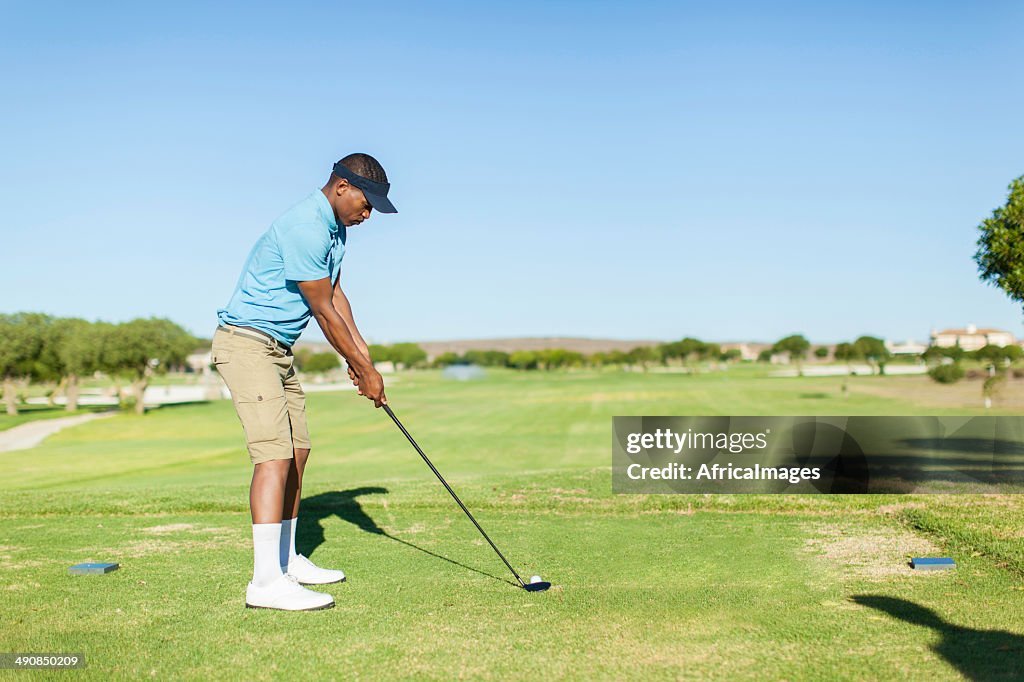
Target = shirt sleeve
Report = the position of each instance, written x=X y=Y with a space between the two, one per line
x=304 y=250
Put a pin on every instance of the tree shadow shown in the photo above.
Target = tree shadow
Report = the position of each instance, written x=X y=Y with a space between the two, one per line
x=343 y=504
x=977 y=654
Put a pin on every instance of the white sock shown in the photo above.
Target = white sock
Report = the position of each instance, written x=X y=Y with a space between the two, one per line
x=266 y=540
x=287 y=547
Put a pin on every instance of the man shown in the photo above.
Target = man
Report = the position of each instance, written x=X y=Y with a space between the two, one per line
x=292 y=274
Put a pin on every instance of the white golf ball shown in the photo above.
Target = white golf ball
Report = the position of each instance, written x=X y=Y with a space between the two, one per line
x=535 y=579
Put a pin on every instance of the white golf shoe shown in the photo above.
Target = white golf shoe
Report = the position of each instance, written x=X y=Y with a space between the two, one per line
x=286 y=594
x=308 y=573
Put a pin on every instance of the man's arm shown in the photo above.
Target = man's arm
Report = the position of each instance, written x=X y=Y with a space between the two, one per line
x=319 y=294
x=341 y=304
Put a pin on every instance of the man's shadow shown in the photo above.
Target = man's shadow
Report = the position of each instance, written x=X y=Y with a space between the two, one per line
x=343 y=503
x=977 y=654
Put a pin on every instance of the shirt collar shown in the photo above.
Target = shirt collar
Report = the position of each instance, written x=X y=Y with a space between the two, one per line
x=326 y=211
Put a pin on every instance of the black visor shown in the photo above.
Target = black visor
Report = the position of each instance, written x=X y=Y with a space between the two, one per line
x=375 y=192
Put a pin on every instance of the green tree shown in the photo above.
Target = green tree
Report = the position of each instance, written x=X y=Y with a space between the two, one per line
x=407 y=355
x=523 y=359
x=302 y=356
x=874 y=351
x=821 y=352
x=322 y=362
x=947 y=374
x=1000 y=254
x=796 y=346
x=709 y=351
x=380 y=353
x=486 y=358
x=77 y=351
x=22 y=340
x=643 y=356
x=143 y=347
x=730 y=355
x=447 y=359
x=1013 y=353
x=990 y=353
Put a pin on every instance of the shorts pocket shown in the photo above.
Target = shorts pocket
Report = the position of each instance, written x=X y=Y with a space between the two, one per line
x=262 y=417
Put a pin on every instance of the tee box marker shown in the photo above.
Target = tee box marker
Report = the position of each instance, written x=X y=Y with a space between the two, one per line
x=88 y=568
x=932 y=563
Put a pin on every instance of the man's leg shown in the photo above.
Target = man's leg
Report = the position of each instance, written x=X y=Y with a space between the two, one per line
x=290 y=511
x=266 y=495
x=293 y=489
x=291 y=562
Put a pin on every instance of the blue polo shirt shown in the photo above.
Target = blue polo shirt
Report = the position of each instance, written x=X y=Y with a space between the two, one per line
x=306 y=243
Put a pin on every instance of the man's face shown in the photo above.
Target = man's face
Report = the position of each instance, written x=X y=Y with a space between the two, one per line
x=352 y=206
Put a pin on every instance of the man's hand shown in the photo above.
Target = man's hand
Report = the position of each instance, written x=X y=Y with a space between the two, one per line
x=371 y=386
x=318 y=293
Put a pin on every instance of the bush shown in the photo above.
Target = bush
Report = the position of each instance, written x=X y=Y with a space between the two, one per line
x=448 y=358
x=947 y=374
x=321 y=362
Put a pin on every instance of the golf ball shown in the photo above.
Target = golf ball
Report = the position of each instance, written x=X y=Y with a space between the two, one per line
x=535 y=579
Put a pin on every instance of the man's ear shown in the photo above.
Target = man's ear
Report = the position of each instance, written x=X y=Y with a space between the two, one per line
x=341 y=187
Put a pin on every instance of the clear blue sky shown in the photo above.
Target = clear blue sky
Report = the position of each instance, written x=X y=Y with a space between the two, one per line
x=625 y=170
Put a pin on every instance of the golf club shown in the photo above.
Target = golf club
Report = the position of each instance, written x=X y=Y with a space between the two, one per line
x=535 y=584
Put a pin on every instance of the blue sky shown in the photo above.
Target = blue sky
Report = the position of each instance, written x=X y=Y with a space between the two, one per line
x=626 y=170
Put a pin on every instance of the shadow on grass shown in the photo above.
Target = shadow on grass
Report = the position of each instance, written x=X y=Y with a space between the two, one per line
x=344 y=505
x=976 y=654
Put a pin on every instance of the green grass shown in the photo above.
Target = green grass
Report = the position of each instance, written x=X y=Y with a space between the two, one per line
x=661 y=587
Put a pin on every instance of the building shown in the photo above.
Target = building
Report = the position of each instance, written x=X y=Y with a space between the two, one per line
x=906 y=348
x=972 y=338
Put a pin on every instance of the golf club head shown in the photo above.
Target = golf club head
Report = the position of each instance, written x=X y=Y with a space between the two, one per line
x=537 y=587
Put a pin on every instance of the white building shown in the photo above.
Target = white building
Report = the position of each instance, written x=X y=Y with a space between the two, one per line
x=908 y=347
x=972 y=338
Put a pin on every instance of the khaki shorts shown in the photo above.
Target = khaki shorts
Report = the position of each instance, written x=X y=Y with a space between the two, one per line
x=268 y=398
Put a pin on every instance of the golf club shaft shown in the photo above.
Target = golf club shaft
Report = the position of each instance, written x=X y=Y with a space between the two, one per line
x=454 y=496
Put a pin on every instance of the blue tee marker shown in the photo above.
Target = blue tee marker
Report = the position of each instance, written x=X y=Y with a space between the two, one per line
x=85 y=569
x=932 y=563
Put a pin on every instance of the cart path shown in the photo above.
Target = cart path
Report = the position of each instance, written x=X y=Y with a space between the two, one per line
x=25 y=436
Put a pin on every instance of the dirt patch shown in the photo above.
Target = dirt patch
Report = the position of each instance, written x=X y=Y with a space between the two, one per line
x=169 y=528
x=869 y=554
x=922 y=390
x=141 y=548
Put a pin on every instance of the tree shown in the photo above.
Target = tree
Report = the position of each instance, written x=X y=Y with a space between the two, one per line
x=873 y=350
x=821 y=352
x=446 y=359
x=302 y=356
x=142 y=347
x=1013 y=353
x=523 y=359
x=730 y=355
x=77 y=349
x=407 y=354
x=22 y=339
x=486 y=358
x=796 y=346
x=380 y=353
x=990 y=353
x=947 y=374
x=643 y=356
x=1000 y=254
x=322 y=362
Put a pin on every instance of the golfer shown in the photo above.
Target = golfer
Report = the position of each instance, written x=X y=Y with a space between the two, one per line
x=292 y=274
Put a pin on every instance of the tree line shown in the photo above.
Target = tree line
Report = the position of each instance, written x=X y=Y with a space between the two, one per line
x=43 y=348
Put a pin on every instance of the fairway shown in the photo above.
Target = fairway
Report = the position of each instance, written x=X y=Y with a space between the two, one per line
x=652 y=587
